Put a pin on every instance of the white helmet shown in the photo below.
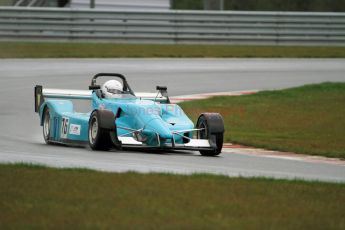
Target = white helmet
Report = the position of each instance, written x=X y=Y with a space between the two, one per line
x=111 y=88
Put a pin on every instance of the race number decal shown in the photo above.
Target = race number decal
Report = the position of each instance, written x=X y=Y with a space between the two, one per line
x=64 y=127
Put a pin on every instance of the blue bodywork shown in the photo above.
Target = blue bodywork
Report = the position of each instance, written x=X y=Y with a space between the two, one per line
x=153 y=119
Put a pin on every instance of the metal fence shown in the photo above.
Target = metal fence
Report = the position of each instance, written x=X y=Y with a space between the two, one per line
x=172 y=27
x=123 y=4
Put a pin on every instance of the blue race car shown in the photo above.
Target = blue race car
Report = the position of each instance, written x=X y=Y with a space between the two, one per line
x=120 y=118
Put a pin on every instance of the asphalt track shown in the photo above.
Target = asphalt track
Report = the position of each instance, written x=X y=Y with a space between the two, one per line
x=21 y=136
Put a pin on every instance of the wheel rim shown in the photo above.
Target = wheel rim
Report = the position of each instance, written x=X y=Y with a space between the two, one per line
x=93 y=131
x=203 y=131
x=46 y=126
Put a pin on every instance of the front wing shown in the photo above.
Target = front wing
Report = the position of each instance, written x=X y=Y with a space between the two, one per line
x=193 y=144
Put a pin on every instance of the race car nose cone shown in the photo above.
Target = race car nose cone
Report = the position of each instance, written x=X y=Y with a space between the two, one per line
x=160 y=127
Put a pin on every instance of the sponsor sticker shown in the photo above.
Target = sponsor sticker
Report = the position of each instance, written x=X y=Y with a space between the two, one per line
x=101 y=106
x=74 y=129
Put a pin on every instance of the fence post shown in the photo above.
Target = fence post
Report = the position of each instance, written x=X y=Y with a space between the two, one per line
x=92 y=3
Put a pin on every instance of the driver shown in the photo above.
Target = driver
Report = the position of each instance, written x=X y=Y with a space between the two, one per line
x=112 y=88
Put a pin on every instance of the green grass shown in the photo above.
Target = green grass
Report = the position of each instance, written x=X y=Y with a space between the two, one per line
x=6 y=2
x=308 y=119
x=34 y=197
x=93 y=50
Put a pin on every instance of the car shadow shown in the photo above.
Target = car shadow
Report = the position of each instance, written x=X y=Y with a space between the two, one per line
x=157 y=151
x=166 y=152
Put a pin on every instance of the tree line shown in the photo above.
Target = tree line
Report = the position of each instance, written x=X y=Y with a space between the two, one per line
x=262 y=5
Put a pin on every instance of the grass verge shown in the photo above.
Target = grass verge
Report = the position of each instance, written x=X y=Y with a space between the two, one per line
x=34 y=197
x=6 y=2
x=94 y=50
x=307 y=119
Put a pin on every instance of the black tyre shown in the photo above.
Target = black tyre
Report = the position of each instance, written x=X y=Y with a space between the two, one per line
x=46 y=125
x=212 y=128
x=99 y=138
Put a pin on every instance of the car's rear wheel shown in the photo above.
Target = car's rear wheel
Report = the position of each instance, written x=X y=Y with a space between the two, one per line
x=46 y=126
x=99 y=138
x=212 y=128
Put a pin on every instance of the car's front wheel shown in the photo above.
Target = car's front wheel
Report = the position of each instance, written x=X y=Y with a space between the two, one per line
x=211 y=127
x=99 y=138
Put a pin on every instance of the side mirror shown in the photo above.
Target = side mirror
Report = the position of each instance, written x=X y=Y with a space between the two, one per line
x=94 y=87
x=164 y=91
x=161 y=88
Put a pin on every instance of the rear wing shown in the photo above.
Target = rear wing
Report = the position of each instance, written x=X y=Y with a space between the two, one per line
x=67 y=94
x=41 y=94
x=158 y=97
